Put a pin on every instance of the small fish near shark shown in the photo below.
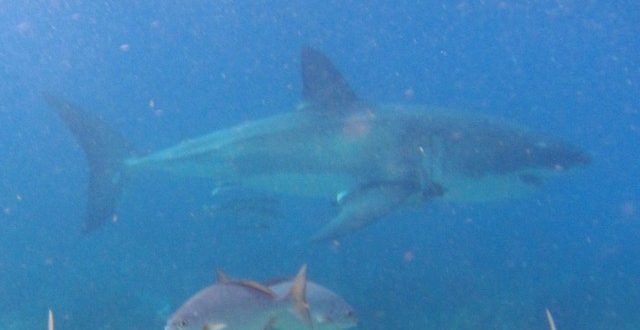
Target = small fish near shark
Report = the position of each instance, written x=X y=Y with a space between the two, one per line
x=327 y=310
x=231 y=304
x=371 y=159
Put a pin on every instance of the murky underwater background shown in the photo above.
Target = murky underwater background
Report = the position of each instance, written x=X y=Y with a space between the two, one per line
x=161 y=72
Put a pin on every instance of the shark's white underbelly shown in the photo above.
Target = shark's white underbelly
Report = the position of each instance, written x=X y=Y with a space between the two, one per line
x=308 y=185
x=482 y=189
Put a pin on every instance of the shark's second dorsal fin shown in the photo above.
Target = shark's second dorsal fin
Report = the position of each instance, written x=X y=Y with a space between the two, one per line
x=324 y=88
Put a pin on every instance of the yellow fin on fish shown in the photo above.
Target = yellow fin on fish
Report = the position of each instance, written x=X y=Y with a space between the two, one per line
x=298 y=293
x=256 y=286
x=223 y=278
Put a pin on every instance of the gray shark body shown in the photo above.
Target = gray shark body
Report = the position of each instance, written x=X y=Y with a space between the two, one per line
x=370 y=159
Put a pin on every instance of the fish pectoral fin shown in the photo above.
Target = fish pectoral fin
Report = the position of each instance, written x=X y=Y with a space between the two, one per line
x=214 y=326
x=365 y=205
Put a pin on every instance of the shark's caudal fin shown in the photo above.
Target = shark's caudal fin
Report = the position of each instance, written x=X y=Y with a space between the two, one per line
x=105 y=150
x=323 y=85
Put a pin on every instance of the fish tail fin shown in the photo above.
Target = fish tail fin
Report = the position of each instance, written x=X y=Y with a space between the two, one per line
x=298 y=294
x=105 y=150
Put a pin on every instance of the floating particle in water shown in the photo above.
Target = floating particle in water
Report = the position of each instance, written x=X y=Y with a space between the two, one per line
x=23 y=27
x=125 y=48
x=628 y=209
x=335 y=245
x=408 y=256
x=409 y=93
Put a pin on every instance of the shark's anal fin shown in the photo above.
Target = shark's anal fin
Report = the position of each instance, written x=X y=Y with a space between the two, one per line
x=105 y=150
x=324 y=88
x=365 y=205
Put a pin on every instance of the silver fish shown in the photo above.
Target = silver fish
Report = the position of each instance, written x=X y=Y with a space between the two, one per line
x=240 y=305
x=327 y=309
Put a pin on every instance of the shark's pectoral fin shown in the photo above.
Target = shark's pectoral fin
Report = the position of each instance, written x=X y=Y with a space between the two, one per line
x=365 y=205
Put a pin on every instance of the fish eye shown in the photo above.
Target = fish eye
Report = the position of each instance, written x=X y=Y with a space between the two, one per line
x=181 y=324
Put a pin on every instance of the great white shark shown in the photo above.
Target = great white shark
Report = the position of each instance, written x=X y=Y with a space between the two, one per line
x=371 y=159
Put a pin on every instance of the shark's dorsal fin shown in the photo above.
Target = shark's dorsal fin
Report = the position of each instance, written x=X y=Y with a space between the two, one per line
x=324 y=88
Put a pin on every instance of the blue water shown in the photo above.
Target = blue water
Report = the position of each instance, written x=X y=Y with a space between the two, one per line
x=164 y=71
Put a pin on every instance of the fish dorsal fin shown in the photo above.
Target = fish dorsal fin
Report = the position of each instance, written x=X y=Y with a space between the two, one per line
x=276 y=281
x=256 y=286
x=51 y=322
x=324 y=88
x=221 y=277
x=299 y=295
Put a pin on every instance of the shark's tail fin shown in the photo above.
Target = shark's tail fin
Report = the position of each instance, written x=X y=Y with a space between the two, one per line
x=105 y=150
